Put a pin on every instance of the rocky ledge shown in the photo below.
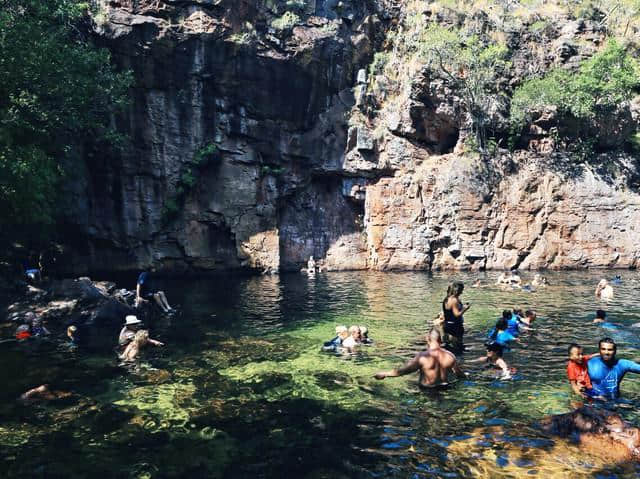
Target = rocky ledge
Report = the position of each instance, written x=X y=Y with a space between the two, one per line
x=258 y=139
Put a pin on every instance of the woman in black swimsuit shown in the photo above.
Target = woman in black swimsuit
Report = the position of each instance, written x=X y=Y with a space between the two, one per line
x=453 y=310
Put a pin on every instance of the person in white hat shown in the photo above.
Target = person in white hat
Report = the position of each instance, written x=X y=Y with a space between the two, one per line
x=129 y=330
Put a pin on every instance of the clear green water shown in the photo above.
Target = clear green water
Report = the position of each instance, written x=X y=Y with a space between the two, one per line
x=242 y=389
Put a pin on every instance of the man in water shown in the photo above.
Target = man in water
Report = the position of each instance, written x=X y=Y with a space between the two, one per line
x=606 y=371
x=433 y=364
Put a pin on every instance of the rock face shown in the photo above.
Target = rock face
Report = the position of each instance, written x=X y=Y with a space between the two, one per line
x=253 y=144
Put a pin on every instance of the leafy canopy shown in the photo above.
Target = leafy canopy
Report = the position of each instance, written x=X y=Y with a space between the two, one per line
x=600 y=85
x=57 y=90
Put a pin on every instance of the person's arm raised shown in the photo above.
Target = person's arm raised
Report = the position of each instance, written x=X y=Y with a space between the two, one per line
x=409 y=367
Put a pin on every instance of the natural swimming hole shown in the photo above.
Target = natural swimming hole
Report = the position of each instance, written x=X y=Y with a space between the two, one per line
x=243 y=390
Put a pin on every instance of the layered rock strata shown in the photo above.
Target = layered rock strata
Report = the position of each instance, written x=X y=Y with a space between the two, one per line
x=253 y=144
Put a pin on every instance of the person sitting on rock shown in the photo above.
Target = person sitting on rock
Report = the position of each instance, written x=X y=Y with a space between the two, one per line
x=311 y=265
x=140 y=340
x=604 y=290
x=72 y=334
x=145 y=291
x=23 y=332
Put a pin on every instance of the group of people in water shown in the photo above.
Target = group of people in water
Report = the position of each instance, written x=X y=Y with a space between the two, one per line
x=594 y=376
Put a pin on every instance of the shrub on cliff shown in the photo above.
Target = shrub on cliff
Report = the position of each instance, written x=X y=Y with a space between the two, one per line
x=583 y=99
x=472 y=68
x=57 y=90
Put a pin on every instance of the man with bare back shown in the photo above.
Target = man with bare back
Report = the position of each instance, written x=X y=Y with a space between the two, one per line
x=433 y=364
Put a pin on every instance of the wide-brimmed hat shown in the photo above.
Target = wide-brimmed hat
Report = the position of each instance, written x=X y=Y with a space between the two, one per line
x=131 y=319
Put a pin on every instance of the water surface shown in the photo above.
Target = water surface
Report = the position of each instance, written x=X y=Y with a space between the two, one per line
x=242 y=389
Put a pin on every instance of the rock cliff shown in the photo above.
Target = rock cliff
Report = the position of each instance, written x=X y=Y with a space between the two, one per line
x=257 y=137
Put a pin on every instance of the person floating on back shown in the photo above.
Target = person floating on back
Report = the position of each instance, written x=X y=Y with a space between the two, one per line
x=145 y=291
x=433 y=365
x=577 y=371
x=606 y=371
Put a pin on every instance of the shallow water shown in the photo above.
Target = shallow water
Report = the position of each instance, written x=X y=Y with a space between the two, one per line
x=242 y=389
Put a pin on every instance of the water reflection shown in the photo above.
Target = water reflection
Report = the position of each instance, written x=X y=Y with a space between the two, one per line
x=242 y=388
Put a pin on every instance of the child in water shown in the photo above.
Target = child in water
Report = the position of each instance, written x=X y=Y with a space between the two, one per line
x=577 y=370
x=494 y=358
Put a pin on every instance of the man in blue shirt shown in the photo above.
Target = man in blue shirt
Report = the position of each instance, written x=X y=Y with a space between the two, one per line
x=145 y=291
x=606 y=371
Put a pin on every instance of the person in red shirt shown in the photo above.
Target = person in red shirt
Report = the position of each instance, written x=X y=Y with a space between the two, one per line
x=577 y=370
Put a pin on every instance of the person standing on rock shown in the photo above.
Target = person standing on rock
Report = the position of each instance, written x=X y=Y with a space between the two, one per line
x=145 y=291
x=453 y=325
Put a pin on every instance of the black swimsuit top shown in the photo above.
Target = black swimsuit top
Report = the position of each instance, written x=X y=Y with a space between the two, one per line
x=452 y=325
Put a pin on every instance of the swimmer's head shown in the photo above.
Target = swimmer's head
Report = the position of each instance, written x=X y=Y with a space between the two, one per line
x=494 y=350
x=600 y=314
x=603 y=283
x=531 y=315
x=608 y=348
x=506 y=315
x=354 y=331
x=340 y=329
x=455 y=289
x=575 y=353
x=71 y=331
x=502 y=324
x=364 y=331
x=141 y=336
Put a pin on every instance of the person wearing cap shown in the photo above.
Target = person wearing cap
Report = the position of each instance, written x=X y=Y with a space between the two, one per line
x=129 y=330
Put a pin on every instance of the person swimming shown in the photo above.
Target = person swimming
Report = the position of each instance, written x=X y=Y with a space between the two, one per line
x=332 y=345
x=494 y=359
x=604 y=290
x=500 y=335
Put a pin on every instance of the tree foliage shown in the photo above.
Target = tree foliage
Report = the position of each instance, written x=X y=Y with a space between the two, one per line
x=471 y=67
x=57 y=90
x=601 y=85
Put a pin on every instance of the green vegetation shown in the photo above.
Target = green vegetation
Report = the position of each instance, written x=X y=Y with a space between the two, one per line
x=188 y=179
x=286 y=22
x=602 y=83
x=58 y=93
x=469 y=66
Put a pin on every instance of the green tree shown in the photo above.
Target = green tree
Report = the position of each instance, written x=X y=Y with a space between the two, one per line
x=57 y=91
x=600 y=86
x=469 y=66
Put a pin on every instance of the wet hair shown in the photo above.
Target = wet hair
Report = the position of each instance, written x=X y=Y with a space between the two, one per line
x=600 y=314
x=528 y=313
x=506 y=314
x=609 y=341
x=502 y=325
x=495 y=348
x=454 y=289
x=434 y=335
x=141 y=336
x=571 y=346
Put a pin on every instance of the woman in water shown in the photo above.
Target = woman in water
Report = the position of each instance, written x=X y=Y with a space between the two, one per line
x=453 y=309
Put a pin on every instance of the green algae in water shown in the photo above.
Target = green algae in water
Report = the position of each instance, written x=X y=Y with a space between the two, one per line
x=248 y=392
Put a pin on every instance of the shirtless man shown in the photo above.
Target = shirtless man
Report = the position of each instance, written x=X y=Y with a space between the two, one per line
x=433 y=364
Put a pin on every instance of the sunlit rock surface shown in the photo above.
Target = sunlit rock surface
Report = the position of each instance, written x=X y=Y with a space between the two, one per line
x=253 y=145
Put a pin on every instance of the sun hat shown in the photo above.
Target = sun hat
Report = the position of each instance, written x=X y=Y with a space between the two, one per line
x=131 y=319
